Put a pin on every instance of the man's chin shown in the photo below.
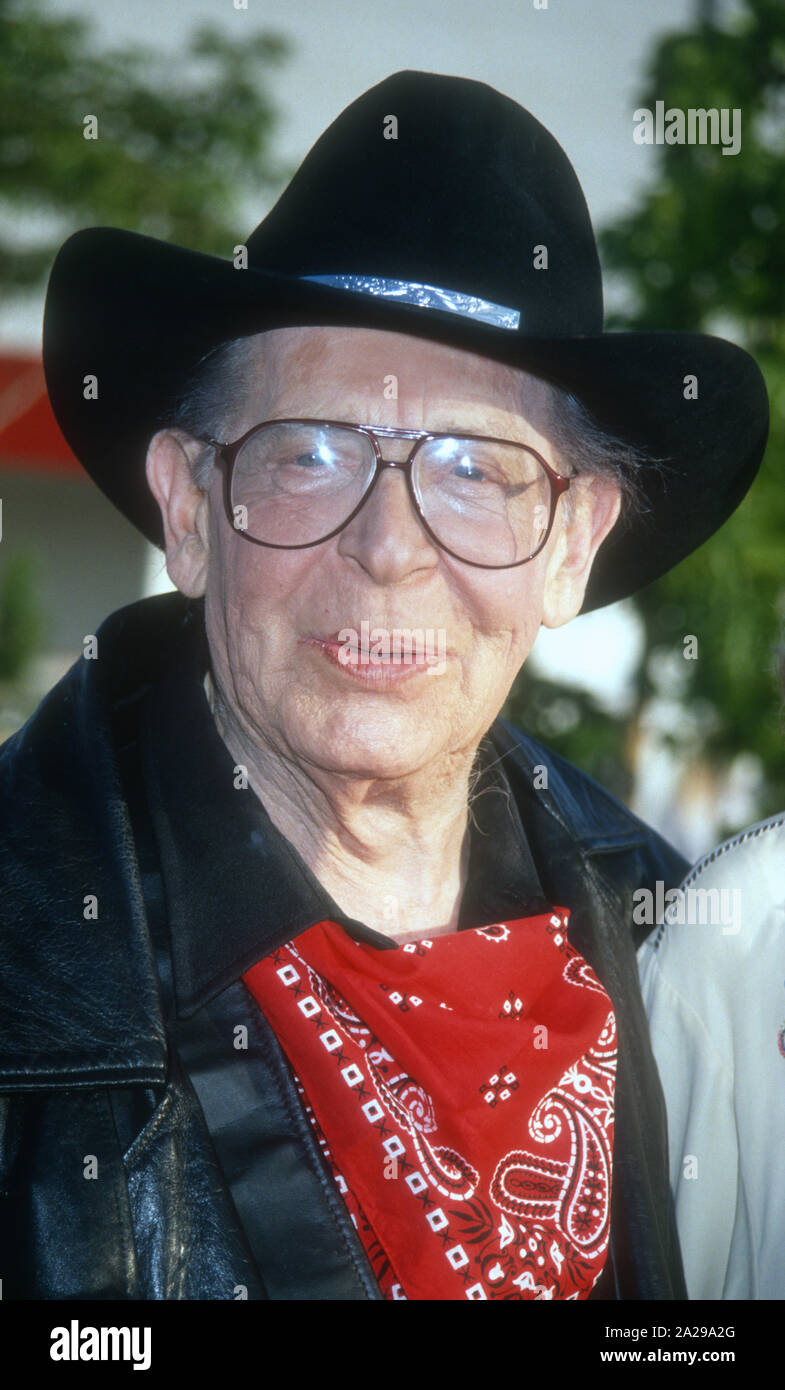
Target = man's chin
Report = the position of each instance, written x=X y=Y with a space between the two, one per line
x=371 y=747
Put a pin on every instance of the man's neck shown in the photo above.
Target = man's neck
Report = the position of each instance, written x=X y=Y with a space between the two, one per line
x=392 y=857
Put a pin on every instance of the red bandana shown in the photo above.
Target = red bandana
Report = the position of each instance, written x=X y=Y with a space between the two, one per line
x=462 y=1090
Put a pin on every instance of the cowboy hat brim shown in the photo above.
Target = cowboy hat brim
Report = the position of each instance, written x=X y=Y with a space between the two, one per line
x=138 y=314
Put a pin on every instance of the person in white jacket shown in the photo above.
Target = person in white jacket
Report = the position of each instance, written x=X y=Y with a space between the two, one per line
x=713 y=981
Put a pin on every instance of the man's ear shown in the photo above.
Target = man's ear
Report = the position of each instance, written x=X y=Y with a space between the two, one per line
x=595 y=505
x=184 y=508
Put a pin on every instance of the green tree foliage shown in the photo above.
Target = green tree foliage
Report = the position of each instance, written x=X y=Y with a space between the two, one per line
x=180 y=142
x=704 y=250
x=21 y=620
x=180 y=147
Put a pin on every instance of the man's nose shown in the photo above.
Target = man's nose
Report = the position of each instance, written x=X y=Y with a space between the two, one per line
x=387 y=537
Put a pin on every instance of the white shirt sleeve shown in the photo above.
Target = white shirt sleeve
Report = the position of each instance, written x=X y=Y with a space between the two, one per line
x=702 y=1136
x=714 y=989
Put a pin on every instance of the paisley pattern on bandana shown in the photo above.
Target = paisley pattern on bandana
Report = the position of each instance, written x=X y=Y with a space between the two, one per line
x=462 y=1090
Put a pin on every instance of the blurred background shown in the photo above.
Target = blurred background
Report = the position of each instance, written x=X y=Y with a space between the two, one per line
x=204 y=109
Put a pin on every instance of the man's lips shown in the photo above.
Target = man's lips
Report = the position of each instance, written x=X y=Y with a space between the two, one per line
x=369 y=666
x=342 y=641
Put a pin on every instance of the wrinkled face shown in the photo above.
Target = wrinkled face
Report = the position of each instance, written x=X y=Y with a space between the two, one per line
x=274 y=616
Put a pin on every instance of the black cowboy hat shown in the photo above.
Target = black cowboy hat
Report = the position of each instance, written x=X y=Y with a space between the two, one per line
x=423 y=209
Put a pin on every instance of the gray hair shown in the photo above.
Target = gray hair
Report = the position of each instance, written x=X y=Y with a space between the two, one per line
x=587 y=447
x=213 y=397
x=218 y=391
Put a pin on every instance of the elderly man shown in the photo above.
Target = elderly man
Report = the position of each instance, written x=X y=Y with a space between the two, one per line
x=315 y=967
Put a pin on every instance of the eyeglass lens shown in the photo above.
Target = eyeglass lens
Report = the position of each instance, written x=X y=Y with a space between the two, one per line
x=294 y=484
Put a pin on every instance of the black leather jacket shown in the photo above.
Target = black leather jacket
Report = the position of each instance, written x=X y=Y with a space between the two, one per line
x=129 y=1166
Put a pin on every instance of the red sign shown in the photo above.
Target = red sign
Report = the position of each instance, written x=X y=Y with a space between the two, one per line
x=30 y=438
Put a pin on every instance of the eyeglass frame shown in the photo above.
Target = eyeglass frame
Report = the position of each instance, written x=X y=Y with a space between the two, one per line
x=227 y=454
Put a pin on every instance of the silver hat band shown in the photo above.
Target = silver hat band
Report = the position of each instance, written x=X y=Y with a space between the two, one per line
x=425 y=296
